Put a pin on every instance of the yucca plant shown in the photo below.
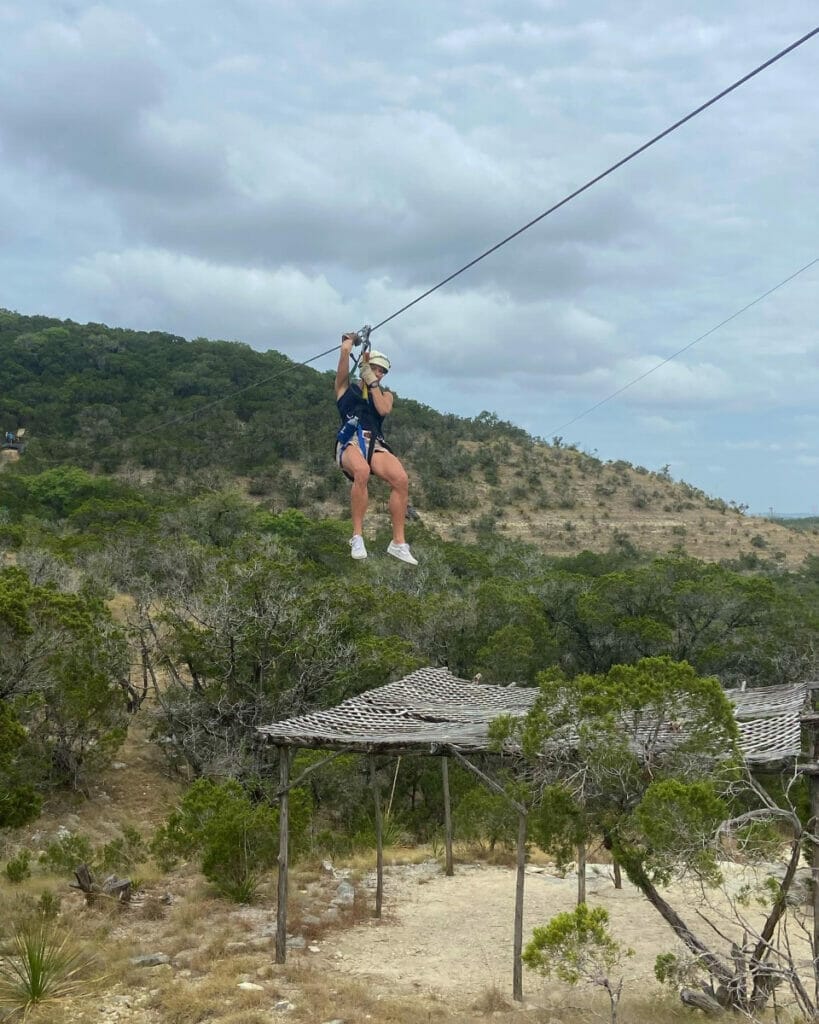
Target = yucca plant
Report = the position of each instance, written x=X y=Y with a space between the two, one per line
x=40 y=962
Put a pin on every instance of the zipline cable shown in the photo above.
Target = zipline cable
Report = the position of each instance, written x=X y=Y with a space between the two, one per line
x=515 y=234
x=232 y=394
x=604 y=174
x=685 y=348
x=498 y=245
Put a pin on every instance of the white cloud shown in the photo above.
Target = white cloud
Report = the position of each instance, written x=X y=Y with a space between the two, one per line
x=191 y=296
x=753 y=445
x=665 y=424
x=490 y=34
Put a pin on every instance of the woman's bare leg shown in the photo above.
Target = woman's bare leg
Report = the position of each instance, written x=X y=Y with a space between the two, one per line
x=389 y=469
x=356 y=465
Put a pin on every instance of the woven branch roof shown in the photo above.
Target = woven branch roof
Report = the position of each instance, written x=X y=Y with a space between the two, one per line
x=431 y=710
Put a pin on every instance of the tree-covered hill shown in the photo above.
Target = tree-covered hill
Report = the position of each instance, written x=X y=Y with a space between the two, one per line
x=173 y=552
x=155 y=408
x=174 y=573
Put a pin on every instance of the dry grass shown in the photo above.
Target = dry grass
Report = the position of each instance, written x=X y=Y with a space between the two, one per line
x=492 y=1000
x=326 y=997
x=394 y=856
x=212 y=949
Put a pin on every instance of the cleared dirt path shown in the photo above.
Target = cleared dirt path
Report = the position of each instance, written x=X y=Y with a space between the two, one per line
x=452 y=937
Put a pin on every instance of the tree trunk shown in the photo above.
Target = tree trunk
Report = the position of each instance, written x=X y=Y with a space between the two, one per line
x=701 y=1001
x=115 y=888
x=581 y=873
x=713 y=964
x=762 y=977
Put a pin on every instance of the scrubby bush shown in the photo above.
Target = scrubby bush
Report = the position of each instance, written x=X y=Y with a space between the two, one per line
x=234 y=839
x=577 y=946
x=124 y=852
x=65 y=854
x=18 y=869
x=486 y=819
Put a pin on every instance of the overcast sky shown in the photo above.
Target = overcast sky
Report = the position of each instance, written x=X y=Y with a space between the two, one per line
x=279 y=171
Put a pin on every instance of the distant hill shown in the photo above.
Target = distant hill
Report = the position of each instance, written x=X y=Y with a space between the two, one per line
x=160 y=409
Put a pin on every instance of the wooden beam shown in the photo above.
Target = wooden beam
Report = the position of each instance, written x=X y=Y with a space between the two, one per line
x=309 y=771
x=450 y=870
x=284 y=843
x=496 y=787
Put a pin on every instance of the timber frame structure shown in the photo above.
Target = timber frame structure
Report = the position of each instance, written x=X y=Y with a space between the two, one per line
x=435 y=714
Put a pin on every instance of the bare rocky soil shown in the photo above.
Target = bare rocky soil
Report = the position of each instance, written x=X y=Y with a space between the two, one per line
x=451 y=938
x=564 y=501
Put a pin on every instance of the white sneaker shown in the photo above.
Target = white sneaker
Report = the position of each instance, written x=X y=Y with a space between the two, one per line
x=402 y=552
x=357 y=549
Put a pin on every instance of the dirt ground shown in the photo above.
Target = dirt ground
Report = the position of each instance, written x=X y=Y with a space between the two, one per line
x=443 y=945
x=451 y=938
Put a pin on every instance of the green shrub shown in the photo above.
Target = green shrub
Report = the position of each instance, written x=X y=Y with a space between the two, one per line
x=235 y=839
x=48 y=905
x=577 y=946
x=19 y=800
x=486 y=819
x=66 y=854
x=124 y=852
x=18 y=868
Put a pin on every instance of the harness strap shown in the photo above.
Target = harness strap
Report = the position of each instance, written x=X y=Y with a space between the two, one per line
x=369 y=454
x=352 y=428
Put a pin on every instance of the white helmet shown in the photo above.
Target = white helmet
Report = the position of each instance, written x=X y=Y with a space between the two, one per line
x=379 y=359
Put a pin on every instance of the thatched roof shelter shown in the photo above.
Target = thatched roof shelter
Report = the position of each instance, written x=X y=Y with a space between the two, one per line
x=432 y=712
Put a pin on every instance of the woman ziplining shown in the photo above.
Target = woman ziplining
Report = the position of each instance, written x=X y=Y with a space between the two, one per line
x=163 y=426
x=363 y=404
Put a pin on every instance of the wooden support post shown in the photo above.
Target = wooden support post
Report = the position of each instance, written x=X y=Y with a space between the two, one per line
x=379 y=841
x=284 y=843
x=581 y=873
x=814 y=813
x=517 y=967
x=812 y=743
x=450 y=871
x=618 y=875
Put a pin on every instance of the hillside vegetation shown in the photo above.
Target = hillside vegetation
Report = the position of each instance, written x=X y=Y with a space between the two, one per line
x=175 y=573
x=153 y=409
